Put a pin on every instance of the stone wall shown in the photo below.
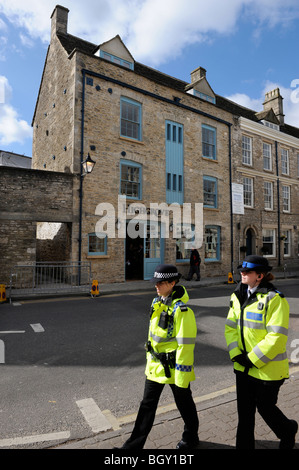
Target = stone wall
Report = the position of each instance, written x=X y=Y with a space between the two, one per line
x=27 y=197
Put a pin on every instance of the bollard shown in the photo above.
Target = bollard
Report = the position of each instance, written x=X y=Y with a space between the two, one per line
x=2 y=293
x=230 y=279
x=95 y=289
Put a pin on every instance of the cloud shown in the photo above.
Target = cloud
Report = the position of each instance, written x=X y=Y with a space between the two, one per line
x=153 y=30
x=12 y=128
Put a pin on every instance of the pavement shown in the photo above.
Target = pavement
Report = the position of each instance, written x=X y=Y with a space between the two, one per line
x=217 y=412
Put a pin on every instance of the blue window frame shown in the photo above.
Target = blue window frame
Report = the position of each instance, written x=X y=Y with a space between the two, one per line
x=130 y=119
x=117 y=60
x=209 y=142
x=130 y=179
x=97 y=245
x=212 y=243
x=174 y=148
x=210 y=188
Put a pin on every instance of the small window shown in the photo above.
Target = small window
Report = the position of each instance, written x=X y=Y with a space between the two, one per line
x=209 y=142
x=268 y=195
x=130 y=117
x=210 y=192
x=97 y=245
x=286 y=198
x=130 y=179
x=268 y=248
x=212 y=243
x=284 y=161
x=267 y=156
x=246 y=150
x=248 y=192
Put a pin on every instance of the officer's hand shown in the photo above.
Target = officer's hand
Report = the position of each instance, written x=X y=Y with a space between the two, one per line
x=243 y=360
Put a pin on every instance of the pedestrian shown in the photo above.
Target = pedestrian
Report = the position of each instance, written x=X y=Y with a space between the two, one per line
x=170 y=359
x=195 y=261
x=256 y=333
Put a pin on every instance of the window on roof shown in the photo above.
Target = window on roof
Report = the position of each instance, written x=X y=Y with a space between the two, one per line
x=271 y=125
x=204 y=96
x=117 y=60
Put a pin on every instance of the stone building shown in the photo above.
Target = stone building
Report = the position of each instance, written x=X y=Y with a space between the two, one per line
x=266 y=167
x=162 y=147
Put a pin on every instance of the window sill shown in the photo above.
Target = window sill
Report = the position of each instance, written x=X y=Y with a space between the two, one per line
x=98 y=256
x=133 y=141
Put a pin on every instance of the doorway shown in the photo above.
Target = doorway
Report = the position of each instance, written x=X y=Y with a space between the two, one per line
x=144 y=249
x=250 y=242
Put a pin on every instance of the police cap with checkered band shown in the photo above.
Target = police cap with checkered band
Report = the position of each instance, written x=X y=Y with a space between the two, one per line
x=166 y=272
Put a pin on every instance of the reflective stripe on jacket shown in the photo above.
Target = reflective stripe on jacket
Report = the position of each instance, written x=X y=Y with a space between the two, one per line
x=259 y=327
x=179 y=336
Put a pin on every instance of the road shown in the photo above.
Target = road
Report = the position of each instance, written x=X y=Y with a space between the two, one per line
x=62 y=356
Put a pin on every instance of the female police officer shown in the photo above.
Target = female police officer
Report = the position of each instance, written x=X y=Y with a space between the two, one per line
x=170 y=348
x=256 y=333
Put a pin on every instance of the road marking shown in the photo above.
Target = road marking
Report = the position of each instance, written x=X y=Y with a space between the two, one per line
x=8 y=332
x=93 y=415
x=18 y=441
x=37 y=327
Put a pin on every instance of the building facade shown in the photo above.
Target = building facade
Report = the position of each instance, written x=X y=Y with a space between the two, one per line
x=169 y=157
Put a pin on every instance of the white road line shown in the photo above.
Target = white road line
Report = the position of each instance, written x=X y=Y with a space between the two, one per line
x=12 y=331
x=37 y=327
x=18 y=441
x=93 y=415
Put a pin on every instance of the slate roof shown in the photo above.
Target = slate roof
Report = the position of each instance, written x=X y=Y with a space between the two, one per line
x=71 y=43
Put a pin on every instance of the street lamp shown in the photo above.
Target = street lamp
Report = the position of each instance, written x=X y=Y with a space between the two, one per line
x=88 y=165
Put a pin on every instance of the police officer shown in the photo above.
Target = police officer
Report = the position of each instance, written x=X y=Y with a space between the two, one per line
x=256 y=333
x=170 y=358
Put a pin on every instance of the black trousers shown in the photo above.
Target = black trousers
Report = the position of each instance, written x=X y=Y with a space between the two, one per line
x=262 y=395
x=147 y=411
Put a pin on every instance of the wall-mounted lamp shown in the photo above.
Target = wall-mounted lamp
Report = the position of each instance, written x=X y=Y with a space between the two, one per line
x=88 y=165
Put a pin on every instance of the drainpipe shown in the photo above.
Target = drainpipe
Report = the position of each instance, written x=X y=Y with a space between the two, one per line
x=81 y=179
x=278 y=205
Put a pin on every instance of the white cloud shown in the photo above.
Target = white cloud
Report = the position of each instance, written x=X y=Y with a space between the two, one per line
x=153 y=30
x=12 y=128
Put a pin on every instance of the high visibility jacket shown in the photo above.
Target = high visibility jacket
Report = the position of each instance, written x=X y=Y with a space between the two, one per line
x=176 y=334
x=258 y=326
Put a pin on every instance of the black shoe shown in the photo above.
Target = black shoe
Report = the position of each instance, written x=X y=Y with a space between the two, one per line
x=183 y=445
x=289 y=441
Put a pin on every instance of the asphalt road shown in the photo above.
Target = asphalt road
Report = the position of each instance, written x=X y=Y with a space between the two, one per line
x=58 y=355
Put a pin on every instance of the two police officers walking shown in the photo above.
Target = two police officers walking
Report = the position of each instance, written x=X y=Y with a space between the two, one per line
x=256 y=334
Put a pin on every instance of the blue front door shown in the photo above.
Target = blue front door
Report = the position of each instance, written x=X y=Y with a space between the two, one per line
x=153 y=248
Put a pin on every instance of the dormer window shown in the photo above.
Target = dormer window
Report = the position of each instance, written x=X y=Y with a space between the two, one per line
x=271 y=125
x=203 y=96
x=116 y=60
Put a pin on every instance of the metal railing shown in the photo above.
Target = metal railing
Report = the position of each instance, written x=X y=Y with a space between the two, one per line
x=42 y=278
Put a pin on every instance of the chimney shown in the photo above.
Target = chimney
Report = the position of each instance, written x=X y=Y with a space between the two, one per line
x=59 y=20
x=273 y=99
x=198 y=74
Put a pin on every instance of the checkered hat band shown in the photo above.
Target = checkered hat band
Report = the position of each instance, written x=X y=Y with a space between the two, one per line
x=165 y=275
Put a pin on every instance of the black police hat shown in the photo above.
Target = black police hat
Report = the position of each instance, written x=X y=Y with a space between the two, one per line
x=255 y=263
x=166 y=272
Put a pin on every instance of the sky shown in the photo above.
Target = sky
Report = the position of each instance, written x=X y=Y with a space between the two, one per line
x=248 y=47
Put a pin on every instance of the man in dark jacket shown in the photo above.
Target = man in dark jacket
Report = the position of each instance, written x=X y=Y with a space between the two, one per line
x=195 y=261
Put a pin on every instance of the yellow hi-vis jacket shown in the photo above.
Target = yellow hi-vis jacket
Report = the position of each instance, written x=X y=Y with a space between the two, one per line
x=178 y=337
x=258 y=326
